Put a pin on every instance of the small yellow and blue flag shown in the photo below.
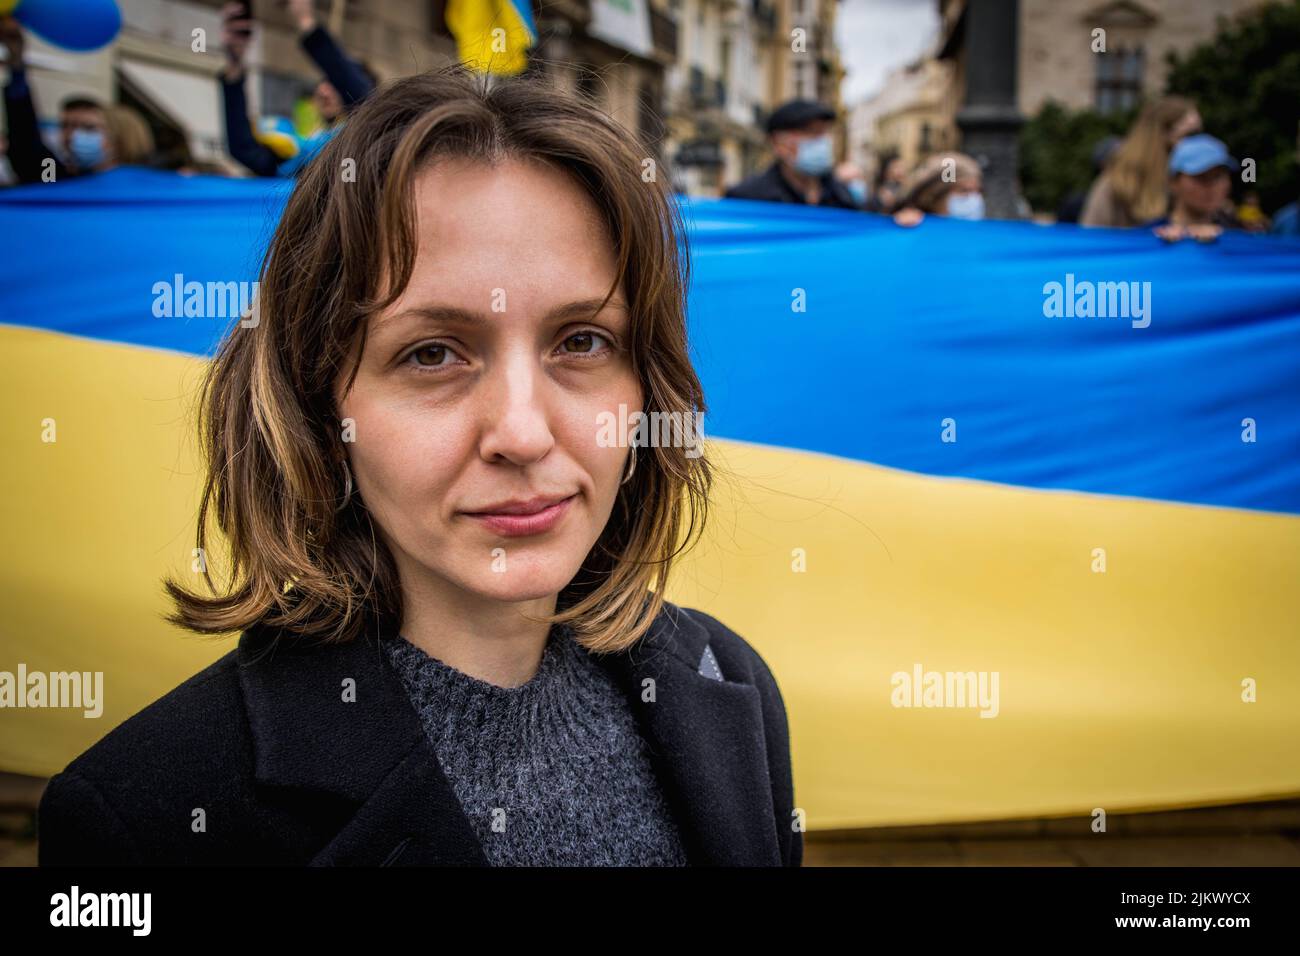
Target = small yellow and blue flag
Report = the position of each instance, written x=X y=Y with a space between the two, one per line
x=492 y=36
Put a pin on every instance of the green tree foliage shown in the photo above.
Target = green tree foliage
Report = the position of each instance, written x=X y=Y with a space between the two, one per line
x=1056 y=149
x=1246 y=82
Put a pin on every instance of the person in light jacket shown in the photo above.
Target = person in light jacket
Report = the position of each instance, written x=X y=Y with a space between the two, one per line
x=1134 y=186
x=449 y=535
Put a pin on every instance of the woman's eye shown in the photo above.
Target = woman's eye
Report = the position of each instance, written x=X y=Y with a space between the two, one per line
x=583 y=343
x=431 y=356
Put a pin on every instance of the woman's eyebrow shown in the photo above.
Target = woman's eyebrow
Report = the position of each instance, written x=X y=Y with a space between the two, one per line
x=450 y=313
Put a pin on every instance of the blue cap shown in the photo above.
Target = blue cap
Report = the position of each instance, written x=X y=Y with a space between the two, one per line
x=1197 y=153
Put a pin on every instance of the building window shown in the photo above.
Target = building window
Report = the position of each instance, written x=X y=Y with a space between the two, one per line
x=1119 y=79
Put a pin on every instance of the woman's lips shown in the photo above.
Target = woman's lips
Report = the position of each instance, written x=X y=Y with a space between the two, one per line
x=515 y=526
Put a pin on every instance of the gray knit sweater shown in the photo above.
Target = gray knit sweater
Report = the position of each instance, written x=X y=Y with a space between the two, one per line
x=551 y=773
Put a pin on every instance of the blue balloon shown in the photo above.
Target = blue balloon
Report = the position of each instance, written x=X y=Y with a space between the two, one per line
x=72 y=24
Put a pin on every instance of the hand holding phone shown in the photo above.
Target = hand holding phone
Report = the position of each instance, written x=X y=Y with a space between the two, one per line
x=236 y=33
x=237 y=17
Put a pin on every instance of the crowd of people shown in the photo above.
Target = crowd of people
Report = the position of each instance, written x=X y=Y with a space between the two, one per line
x=94 y=137
x=1167 y=174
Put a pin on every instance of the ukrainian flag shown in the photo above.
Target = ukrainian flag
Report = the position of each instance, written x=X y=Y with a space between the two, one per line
x=492 y=36
x=928 y=468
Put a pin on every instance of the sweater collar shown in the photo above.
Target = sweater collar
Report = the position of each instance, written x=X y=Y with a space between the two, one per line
x=336 y=718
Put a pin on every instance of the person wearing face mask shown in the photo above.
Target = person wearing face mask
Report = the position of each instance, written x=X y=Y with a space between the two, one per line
x=85 y=142
x=855 y=181
x=799 y=133
x=946 y=184
x=87 y=145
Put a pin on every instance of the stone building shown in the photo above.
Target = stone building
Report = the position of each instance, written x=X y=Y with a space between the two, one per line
x=1056 y=61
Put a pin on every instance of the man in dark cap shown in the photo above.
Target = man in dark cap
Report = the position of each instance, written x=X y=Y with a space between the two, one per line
x=799 y=133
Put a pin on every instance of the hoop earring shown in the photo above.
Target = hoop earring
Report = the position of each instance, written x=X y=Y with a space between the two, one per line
x=631 y=466
x=347 y=491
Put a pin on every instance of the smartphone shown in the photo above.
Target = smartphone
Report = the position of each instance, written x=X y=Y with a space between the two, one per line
x=244 y=13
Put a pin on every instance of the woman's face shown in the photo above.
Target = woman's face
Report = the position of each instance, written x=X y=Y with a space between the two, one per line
x=965 y=187
x=1203 y=195
x=481 y=386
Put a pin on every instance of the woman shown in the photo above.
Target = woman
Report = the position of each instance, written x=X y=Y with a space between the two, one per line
x=132 y=142
x=1134 y=189
x=946 y=184
x=448 y=576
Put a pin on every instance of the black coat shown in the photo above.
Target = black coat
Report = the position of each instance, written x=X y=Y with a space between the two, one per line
x=771 y=186
x=286 y=772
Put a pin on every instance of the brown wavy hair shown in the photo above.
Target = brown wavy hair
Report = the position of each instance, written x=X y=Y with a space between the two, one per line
x=926 y=187
x=268 y=423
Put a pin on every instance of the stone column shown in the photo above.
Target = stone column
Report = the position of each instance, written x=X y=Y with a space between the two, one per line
x=990 y=119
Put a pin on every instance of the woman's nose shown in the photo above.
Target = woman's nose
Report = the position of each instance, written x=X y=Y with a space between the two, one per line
x=514 y=411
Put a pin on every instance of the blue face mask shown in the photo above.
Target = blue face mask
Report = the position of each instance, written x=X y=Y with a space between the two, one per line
x=966 y=205
x=816 y=156
x=87 y=148
x=858 y=190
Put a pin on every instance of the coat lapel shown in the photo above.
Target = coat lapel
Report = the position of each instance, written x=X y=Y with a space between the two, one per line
x=370 y=751
x=705 y=738
x=706 y=742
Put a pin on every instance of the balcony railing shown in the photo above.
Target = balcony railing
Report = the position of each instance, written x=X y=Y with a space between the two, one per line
x=706 y=92
x=764 y=13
